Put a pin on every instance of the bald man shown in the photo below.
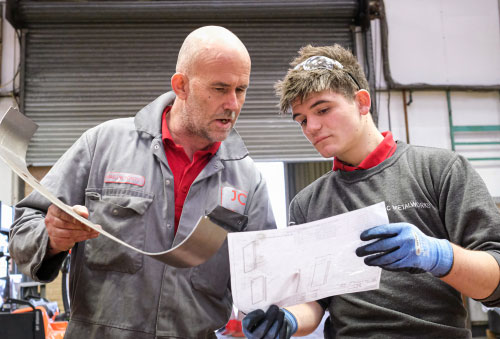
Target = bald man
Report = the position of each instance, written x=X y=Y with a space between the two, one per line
x=148 y=180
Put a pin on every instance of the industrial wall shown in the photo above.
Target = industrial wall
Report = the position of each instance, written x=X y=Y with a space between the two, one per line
x=441 y=71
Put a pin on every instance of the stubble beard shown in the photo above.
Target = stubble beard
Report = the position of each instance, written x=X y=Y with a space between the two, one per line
x=203 y=132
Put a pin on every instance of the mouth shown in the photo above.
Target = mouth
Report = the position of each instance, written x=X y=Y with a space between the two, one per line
x=318 y=140
x=226 y=121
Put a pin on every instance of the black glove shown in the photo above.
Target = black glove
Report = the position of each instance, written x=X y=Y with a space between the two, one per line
x=275 y=323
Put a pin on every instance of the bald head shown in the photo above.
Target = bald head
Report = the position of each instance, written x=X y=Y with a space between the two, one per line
x=208 y=39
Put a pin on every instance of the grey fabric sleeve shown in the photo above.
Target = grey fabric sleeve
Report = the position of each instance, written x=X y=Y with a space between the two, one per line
x=28 y=243
x=471 y=217
x=296 y=217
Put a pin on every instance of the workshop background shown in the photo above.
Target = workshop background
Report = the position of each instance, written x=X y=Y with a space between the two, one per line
x=433 y=68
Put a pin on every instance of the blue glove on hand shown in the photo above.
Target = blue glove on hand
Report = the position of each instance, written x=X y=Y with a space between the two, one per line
x=403 y=247
x=275 y=323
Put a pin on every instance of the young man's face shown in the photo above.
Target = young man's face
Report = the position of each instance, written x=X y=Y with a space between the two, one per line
x=217 y=88
x=331 y=122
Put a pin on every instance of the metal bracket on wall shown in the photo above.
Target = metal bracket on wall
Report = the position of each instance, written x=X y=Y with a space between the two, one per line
x=468 y=129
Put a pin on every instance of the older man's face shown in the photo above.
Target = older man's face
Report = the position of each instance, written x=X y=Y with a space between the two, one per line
x=217 y=91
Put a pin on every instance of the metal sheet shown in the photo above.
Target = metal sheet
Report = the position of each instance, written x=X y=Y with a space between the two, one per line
x=204 y=241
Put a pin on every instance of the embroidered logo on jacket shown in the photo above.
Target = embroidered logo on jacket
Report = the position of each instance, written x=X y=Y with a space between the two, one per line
x=233 y=199
x=124 y=178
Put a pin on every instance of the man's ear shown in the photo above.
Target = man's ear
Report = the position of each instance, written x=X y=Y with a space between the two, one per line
x=363 y=101
x=179 y=84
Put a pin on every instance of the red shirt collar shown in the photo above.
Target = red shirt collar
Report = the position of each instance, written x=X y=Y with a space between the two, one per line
x=167 y=138
x=183 y=169
x=383 y=151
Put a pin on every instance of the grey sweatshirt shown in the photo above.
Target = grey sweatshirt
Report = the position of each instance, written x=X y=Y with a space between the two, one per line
x=439 y=192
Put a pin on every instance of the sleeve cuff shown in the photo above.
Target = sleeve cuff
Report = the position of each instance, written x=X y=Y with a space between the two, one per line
x=48 y=269
x=493 y=300
x=324 y=303
x=291 y=320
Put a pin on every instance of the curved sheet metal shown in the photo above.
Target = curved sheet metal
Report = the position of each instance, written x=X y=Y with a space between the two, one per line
x=204 y=240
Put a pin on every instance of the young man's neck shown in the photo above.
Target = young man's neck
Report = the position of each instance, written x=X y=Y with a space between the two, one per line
x=371 y=138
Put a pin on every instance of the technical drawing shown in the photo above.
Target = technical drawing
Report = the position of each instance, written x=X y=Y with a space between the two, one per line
x=258 y=287
x=321 y=269
x=298 y=264
x=249 y=257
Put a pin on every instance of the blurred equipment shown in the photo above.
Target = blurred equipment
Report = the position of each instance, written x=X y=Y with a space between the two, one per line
x=493 y=323
x=24 y=314
x=26 y=325
x=21 y=319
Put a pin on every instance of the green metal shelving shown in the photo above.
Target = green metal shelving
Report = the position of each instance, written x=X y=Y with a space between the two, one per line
x=470 y=128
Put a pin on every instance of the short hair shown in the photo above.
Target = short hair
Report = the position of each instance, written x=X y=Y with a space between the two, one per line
x=300 y=83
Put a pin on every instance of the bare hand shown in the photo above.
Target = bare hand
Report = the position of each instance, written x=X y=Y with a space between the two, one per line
x=64 y=230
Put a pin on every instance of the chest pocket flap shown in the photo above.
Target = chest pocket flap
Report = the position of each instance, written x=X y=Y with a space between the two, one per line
x=137 y=204
x=121 y=213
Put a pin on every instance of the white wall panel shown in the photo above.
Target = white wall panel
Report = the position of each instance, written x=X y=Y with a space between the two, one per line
x=391 y=115
x=428 y=120
x=444 y=42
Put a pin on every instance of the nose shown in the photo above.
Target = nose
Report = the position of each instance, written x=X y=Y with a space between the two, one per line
x=231 y=102
x=313 y=125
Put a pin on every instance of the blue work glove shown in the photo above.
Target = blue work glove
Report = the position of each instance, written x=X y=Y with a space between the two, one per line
x=275 y=323
x=403 y=247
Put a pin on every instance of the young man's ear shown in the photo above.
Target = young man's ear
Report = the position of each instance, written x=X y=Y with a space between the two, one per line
x=363 y=101
x=179 y=84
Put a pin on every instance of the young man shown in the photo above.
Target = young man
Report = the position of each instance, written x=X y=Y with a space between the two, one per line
x=443 y=239
x=182 y=159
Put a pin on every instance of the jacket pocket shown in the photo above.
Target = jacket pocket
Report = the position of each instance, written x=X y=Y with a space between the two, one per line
x=212 y=277
x=120 y=212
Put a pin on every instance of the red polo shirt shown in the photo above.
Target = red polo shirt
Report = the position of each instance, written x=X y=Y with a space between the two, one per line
x=184 y=171
x=383 y=151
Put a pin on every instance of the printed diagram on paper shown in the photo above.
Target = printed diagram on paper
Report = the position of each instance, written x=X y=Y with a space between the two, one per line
x=302 y=263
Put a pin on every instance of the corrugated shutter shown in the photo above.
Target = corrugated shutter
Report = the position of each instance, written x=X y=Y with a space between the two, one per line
x=301 y=174
x=80 y=74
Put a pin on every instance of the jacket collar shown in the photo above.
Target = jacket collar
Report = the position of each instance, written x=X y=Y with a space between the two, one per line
x=148 y=120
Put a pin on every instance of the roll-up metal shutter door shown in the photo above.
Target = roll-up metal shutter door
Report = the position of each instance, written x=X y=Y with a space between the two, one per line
x=301 y=174
x=79 y=74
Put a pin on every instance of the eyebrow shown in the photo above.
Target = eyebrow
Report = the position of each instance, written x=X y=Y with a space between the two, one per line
x=223 y=84
x=220 y=84
x=319 y=102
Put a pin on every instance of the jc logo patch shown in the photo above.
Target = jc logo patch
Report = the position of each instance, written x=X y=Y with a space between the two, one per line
x=233 y=199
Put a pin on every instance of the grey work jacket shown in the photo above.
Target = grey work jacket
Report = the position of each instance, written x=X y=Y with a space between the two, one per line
x=119 y=293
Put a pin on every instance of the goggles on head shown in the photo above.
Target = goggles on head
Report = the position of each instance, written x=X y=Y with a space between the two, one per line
x=323 y=62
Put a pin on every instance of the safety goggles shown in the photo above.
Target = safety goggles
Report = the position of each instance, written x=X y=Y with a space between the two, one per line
x=323 y=62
